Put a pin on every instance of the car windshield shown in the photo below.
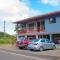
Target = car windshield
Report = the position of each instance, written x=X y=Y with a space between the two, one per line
x=21 y=39
x=35 y=40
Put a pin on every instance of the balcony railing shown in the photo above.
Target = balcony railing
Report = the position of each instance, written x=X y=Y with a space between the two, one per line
x=30 y=30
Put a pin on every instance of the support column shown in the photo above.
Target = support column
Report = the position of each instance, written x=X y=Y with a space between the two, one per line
x=35 y=26
x=40 y=26
x=17 y=29
x=36 y=36
x=50 y=37
x=26 y=30
x=25 y=36
x=27 y=27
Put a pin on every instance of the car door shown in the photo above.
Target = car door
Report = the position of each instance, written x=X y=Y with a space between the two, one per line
x=48 y=44
x=44 y=43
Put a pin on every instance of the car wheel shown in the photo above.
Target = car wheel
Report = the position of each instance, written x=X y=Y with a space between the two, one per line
x=25 y=48
x=41 y=49
x=54 y=47
x=20 y=47
x=31 y=50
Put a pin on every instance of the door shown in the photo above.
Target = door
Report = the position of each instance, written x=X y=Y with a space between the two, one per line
x=43 y=44
x=48 y=44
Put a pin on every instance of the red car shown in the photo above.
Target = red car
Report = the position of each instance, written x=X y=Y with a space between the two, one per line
x=22 y=42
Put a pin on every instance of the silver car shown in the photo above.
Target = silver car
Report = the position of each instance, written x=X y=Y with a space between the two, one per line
x=41 y=44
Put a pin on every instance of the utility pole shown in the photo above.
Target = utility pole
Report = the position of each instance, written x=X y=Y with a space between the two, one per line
x=4 y=25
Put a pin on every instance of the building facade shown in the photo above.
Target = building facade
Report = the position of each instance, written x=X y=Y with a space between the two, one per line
x=43 y=26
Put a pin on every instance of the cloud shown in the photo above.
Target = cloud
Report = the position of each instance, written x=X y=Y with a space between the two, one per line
x=51 y=2
x=13 y=10
x=16 y=9
x=35 y=12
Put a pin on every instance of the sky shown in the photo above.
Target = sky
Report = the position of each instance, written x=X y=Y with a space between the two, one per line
x=14 y=10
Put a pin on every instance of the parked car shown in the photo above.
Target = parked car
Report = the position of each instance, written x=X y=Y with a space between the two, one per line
x=41 y=44
x=22 y=42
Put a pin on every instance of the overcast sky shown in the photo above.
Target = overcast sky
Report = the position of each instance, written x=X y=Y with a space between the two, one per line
x=13 y=10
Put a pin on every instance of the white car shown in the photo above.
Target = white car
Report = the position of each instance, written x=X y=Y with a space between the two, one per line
x=41 y=44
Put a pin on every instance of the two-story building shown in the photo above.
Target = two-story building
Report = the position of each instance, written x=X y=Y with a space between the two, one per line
x=43 y=26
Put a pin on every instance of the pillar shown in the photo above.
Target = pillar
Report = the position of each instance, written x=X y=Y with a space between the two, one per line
x=50 y=37
x=35 y=26
x=25 y=36
x=27 y=27
x=36 y=36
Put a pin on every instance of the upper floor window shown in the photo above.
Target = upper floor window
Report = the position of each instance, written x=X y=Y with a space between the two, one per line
x=52 y=20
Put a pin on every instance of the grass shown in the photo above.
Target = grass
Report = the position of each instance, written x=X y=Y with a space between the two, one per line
x=6 y=38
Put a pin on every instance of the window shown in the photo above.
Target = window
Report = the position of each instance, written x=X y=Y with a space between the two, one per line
x=47 y=41
x=22 y=38
x=35 y=40
x=42 y=40
x=52 y=20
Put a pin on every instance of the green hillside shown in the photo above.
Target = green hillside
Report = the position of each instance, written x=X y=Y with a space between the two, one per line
x=6 y=38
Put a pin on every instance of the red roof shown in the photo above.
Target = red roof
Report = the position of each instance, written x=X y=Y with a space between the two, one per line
x=38 y=17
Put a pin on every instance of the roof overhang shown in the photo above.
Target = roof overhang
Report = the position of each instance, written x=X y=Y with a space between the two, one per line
x=40 y=17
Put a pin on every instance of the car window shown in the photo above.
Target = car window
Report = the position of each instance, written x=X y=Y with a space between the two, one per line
x=35 y=40
x=42 y=40
x=47 y=41
x=21 y=39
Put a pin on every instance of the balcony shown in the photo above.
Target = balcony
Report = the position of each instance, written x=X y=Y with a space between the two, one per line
x=30 y=30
